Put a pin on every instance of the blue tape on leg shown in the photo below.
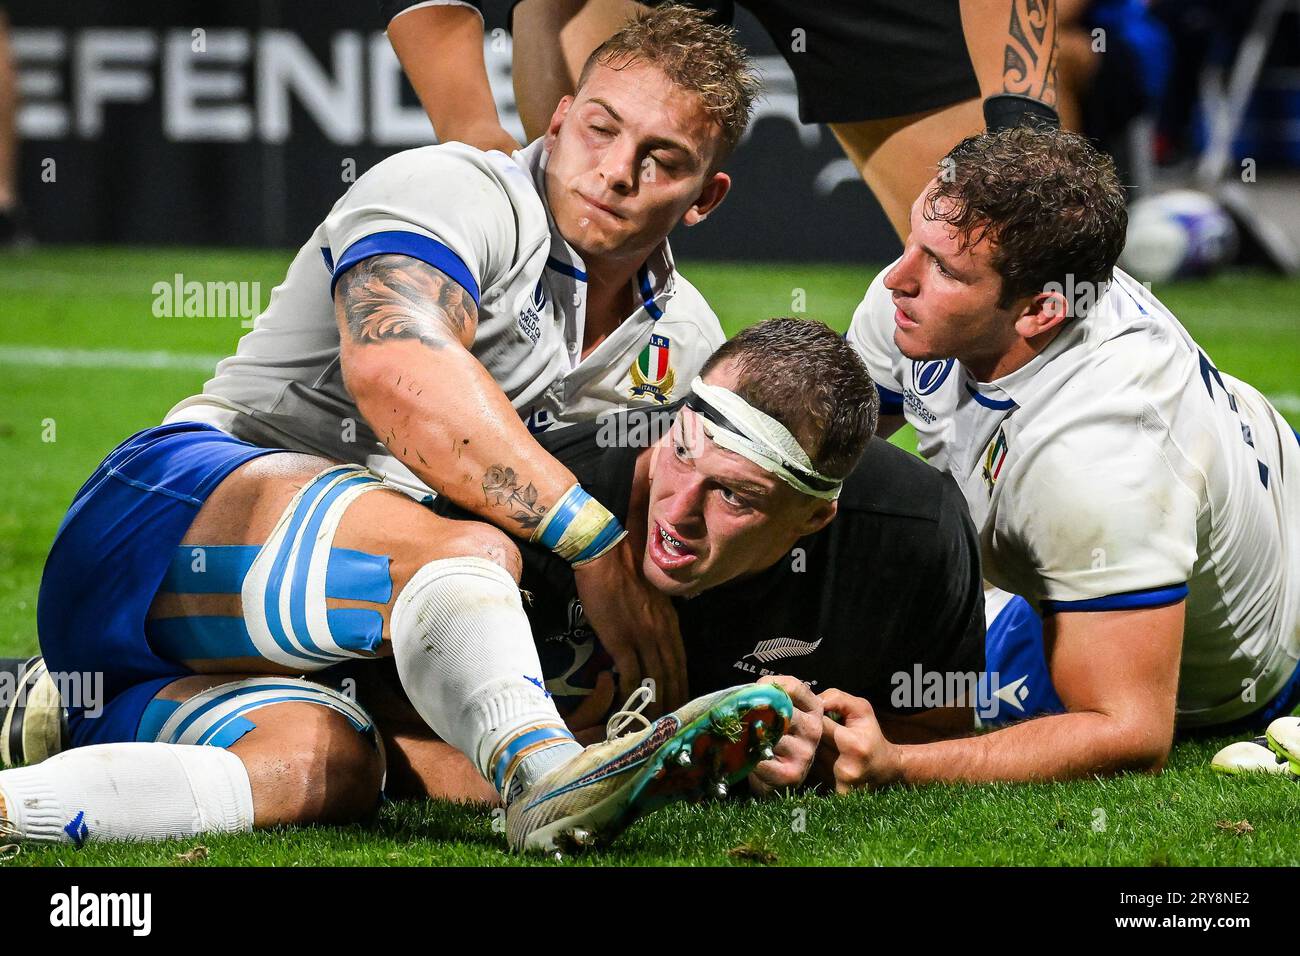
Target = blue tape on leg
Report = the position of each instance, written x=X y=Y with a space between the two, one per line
x=303 y=696
x=221 y=569
x=356 y=629
x=218 y=728
x=522 y=741
x=291 y=687
x=271 y=602
x=358 y=576
x=297 y=582
x=219 y=638
x=230 y=732
x=155 y=715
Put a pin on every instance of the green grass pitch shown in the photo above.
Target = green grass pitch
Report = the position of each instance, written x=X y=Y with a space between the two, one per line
x=84 y=362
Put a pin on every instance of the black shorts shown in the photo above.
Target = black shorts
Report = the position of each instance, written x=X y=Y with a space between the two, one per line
x=865 y=59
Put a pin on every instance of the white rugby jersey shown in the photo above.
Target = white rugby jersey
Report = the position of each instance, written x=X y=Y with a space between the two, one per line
x=1121 y=469
x=481 y=218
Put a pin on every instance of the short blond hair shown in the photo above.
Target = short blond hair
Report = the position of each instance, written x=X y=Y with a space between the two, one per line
x=700 y=57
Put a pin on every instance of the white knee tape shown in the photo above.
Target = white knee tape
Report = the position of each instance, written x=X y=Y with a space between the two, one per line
x=291 y=570
x=219 y=714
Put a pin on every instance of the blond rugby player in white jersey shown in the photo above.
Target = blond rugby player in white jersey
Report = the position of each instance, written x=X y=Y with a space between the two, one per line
x=1146 y=504
x=454 y=300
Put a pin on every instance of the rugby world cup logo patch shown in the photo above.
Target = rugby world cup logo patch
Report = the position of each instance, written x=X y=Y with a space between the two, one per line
x=530 y=315
x=927 y=377
x=652 y=375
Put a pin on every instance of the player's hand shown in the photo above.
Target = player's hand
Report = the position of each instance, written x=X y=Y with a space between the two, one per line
x=637 y=625
x=795 y=750
x=854 y=752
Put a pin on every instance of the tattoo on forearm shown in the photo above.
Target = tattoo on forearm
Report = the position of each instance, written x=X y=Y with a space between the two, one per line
x=1029 y=65
x=501 y=486
x=397 y=297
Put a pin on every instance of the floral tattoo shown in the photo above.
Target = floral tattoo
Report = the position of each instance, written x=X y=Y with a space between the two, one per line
x=501 y=486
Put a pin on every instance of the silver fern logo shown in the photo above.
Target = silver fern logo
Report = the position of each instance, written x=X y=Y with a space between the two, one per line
x=779 y=648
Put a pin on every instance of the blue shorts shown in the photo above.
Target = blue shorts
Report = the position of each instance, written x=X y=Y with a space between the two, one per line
x=1014 y=650
x=108 y=559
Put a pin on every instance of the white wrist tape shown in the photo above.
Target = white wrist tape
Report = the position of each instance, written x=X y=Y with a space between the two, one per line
x=579 y=528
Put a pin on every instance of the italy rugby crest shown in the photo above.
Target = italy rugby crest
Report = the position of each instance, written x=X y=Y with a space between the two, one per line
x=652 y=376
x=994 y=457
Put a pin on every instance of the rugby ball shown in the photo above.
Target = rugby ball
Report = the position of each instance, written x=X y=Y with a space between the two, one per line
x=1177 y=234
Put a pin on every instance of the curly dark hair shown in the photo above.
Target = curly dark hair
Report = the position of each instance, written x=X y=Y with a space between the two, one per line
x=807 y=377
x=1050 y=202
x=697 y=55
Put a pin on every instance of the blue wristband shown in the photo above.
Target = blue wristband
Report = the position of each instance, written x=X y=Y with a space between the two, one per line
x=562 y=515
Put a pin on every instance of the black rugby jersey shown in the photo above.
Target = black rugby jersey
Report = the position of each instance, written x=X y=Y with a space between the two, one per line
x=891 y=584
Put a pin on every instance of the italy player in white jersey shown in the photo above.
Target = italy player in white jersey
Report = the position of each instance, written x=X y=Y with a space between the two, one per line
x=271 y=568
x=1144 y=503
x=454 y=300
x=211 y=563
x=482 y=219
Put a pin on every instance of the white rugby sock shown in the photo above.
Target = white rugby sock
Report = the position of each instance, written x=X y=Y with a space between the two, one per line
x=129 y=791
x=466 y=659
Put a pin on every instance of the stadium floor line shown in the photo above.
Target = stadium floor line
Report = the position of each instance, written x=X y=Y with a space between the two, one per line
x=1288 y=402
x=105 y=358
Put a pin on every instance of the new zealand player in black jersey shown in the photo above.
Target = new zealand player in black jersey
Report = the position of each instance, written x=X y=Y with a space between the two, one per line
x=781 y=569
x=893 y=581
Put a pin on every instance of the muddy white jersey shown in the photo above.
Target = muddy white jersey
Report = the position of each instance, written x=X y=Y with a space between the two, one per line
x=481 y=218
x=1121 y=469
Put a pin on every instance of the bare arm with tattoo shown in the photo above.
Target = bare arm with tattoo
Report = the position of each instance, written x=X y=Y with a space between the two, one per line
x=1012 y=45
x=405 y=332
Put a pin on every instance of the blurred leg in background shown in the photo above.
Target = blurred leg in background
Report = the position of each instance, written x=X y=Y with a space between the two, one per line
x=552 y=40
x=1077 y=61
x=898 y=155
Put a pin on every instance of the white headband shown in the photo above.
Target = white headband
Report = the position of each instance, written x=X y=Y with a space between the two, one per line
x=732 y=423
